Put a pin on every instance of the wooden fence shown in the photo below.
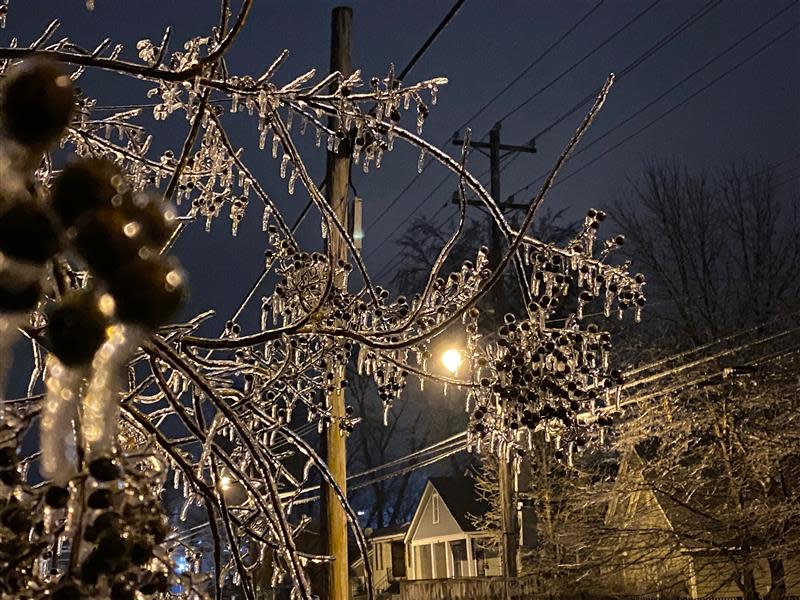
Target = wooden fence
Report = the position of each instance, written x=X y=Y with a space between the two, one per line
x=471 y=588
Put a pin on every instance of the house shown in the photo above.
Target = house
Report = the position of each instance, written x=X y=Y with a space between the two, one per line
x=387 y=557
x=657 y=557
x=442 y=541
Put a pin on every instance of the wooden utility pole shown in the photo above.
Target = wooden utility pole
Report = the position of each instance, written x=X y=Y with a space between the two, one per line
x=336 y=584
x=505 y=478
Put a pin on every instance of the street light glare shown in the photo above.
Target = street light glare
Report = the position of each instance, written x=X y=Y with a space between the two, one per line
x=452 y=360
x=225 y=482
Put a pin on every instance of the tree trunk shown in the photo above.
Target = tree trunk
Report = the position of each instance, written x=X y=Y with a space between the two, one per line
x=747 y=583
x=777 y=584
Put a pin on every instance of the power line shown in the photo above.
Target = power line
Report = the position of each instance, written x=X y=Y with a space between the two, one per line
x=633 y=65
x=431 y=38
x=638 y=61
x=452 y=445
x=580 y=61
x=532 y=64
x=399 y=258
x=765 y=359
x=434 y=459
x=664 y=114
x=480 y=111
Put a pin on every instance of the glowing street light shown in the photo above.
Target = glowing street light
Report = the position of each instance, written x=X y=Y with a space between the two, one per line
x=225 y=483
x=452 y=360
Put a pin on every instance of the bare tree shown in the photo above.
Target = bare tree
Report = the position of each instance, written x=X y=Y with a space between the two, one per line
x=389 y=500
x=709 y=465
x=721 y=250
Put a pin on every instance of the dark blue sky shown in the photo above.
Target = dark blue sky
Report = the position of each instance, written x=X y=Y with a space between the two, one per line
x=754 y=112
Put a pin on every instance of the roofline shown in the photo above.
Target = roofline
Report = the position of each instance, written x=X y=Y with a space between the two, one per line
x=429 y=485
x=400 y=535
x=412 y=526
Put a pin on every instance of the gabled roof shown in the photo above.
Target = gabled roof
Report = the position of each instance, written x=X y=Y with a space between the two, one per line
x=462 y=499
x=680 y=516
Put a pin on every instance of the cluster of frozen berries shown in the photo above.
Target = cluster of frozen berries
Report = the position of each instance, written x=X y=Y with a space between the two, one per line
x=121 y=532
x=91 y=217
x=90 y=213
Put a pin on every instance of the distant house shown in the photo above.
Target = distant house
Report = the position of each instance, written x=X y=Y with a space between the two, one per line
x=658 y=558
x=387 y=557
x=441 y=541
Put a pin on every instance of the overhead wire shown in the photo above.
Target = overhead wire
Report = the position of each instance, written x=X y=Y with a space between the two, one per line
x=446 y=453
x=486 y=105
x=431 y=38
x=581 y=60
x=700 y=379
x=664 y=41
x=632 y=66
x=532 y=64
x=664 y=114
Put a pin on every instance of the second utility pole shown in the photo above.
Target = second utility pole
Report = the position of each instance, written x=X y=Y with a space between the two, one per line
x=334 y=520
x=505 y=478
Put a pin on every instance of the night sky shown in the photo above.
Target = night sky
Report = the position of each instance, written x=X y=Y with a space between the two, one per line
x=753 y=112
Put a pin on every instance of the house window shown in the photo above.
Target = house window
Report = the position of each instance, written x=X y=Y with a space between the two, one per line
x=435 y=508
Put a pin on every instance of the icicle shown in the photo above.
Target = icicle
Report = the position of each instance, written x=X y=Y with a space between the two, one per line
x=275 y=141
x=293 y=180
x=284 y=162
x=362 y=353
x=420 y=161
x=101 y=403
x=185 y=508
x=266 y=217
x=8 y=335
x=386 y=407
x=56 y=429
